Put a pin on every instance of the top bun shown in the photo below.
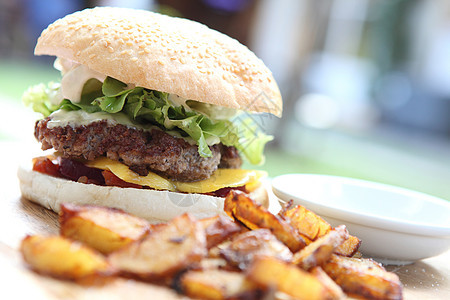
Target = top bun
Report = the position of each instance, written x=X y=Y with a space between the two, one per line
x=163 y=53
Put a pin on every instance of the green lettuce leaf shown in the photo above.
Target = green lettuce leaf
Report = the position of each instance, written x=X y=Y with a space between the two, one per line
x=143 y=106
x=40 y=97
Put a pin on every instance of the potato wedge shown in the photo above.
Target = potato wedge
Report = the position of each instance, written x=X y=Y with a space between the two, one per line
x=218 y=284
x=271 y=273
x=242 y=208
x=320 y=251
x=104 y=229
x=211 y=263
x=363 y=277
x=349 y=247
x=62 y=258
x=244 y=247
x=313 y=227
x=218 y=229
x=329 y=284
x=164 y=252
x=305 y=221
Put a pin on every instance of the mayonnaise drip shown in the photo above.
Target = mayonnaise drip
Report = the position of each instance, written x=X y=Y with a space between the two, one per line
x=73 y=82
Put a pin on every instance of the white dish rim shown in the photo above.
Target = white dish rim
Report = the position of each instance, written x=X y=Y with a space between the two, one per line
x=366 y=218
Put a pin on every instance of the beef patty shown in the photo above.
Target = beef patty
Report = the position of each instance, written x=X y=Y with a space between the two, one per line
x=142 y=151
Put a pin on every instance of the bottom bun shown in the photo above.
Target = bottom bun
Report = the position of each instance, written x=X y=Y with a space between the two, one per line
x=152 y=205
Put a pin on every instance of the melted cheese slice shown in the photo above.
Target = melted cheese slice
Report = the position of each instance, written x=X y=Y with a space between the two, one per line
x=221 y=178
x=123 y=172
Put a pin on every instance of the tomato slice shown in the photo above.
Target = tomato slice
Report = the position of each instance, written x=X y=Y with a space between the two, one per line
x=74 y=170
x=223 y=192
x=113 y=180
x=45 y=165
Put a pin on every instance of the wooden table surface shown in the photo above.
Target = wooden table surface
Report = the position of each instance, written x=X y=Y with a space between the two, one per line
x=427 y=279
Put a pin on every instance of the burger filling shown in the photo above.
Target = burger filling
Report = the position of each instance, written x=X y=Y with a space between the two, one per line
x=89 y=117
x=106 y=172
x=141 y=150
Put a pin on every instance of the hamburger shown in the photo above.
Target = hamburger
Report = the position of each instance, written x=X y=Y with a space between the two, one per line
x=152 y=115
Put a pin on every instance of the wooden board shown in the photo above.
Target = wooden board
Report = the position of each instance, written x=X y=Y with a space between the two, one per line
x=427 y=279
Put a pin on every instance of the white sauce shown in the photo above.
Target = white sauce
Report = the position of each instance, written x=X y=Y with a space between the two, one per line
x=64 y=65
x=76 y=118
x=72 y=82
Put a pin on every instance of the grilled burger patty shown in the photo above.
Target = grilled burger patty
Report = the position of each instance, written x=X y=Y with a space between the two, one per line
x=142 y=151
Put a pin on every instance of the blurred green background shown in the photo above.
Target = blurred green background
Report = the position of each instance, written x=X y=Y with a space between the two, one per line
x=365 y=83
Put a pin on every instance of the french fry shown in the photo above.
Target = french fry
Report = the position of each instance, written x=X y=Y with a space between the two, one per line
x=244 y=247
x=349 y=247
x=205 y=258
x=334 y=289
x=104 y=229
x=62 y=258
x=271 y=273
x=242 y=208
x=218 y=229
x=363 y=277
x=313 y=227
x=211 y=263
x=320 y=251
x=164 y=252
x=305 y=221
x=217 y=284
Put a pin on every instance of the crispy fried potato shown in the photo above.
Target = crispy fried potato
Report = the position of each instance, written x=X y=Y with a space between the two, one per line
x=217 y=284
x=104 y=229
x=329 y=284
x=211 y=263
x=363 y=277
x=164 y=252
x=312 y=227
x=320 y=251
x=244 y=247
x=349 y=247
x=305 y=221
x=269 y=272
x=242 y=208
x=60 y=257
x=218 y=229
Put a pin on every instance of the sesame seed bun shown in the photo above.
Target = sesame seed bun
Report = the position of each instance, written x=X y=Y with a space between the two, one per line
x=167 y=54
x=156 y=206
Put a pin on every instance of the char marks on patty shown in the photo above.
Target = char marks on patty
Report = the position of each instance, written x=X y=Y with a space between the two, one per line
x=142 y=151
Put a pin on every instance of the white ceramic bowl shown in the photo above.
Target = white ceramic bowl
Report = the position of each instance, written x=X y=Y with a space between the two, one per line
x=396 y=225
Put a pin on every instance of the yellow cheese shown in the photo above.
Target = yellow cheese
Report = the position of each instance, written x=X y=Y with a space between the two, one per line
x=123 y=172
x=221 y=178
